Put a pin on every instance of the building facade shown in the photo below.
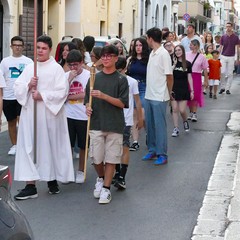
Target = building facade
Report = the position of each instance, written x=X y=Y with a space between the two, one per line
x=67 y=17
x=17 y=18
x=123 y=18
x=102 y=18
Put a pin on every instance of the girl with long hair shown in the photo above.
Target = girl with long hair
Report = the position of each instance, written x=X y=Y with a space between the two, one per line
x=66 y=49
x=137 y=68
x=182 y=88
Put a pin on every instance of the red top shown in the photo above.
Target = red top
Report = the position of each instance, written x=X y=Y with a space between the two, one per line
x=214 y=69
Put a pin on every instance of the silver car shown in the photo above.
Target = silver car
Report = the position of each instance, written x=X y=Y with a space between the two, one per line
x=13 y=223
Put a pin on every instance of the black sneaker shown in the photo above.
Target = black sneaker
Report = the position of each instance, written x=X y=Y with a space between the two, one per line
x=210 y=95
x=186 y=126
x=115 y=178
x=120 y=183
x=53 y=187
x=221 y=91
x=135 y=146
x=30 y=191
x=228 y=92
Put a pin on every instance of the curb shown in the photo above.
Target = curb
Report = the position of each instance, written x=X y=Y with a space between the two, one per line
x=219 y=215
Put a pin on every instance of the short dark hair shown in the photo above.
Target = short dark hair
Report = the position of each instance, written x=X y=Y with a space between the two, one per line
x=191 y=25
x=155 y=33
x=89 y=42
x=121 y=63
x=110 y=49
x=74 y=56
x=17 y=38
x=97 y=52
x=215 y=52
x=45 y=39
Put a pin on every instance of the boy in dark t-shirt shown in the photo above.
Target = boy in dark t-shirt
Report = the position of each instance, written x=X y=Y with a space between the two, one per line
x=110 y=96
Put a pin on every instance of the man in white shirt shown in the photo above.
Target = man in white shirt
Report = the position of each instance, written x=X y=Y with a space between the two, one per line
x=12 y=68
x=191 y=35
x=158 y=92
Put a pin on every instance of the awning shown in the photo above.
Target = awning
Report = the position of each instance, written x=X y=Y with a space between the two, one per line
x=211 y=2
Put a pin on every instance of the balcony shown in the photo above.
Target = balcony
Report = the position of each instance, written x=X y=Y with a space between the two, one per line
x=196 y=9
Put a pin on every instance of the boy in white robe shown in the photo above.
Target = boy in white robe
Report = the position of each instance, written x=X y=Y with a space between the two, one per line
x=53 y=154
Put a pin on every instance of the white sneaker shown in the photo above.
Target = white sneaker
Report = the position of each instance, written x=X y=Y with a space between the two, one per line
x=79 y=177
x=98 y=187
x=105 y=196
x=190 y=116
x=12 y=150
x=175 y=132
x=194 y=117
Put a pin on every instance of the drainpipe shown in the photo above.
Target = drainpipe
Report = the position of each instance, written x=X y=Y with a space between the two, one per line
x=20 y=12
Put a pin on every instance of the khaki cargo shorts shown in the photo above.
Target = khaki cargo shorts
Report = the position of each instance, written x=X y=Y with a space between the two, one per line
x=105 y=147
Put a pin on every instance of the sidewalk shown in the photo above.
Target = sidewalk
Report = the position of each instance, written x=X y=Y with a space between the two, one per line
x=219 y=216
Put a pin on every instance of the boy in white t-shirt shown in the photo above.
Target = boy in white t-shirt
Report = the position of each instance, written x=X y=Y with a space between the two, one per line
x=75 y=110
x=12 y=67
x=121 y=169
x=2 y=85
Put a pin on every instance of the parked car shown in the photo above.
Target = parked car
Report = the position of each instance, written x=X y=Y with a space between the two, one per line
x=13 y=223
x=103 y=41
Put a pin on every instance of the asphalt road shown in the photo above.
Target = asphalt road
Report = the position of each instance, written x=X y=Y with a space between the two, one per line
x=160 y=202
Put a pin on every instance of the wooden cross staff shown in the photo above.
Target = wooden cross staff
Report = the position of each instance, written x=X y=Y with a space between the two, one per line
x=92 y=80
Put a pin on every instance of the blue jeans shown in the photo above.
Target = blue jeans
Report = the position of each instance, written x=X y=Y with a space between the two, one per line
x=156 y=126
x=142 y=90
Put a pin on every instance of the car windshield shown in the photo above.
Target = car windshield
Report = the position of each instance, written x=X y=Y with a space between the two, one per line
x=100 y=44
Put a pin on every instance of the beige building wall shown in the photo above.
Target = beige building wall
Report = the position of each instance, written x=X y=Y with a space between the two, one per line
x=77 y=18
x=101 y=18
x=54 y=20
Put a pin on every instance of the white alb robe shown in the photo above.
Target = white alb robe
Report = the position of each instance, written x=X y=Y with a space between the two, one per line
x=54 y=156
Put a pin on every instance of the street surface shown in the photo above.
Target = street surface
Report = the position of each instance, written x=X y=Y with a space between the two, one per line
x=160 y=202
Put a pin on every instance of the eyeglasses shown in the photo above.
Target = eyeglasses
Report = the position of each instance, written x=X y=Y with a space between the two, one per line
x=72 y=65
x=108 y=56
x=168 y=45
x=17 y=45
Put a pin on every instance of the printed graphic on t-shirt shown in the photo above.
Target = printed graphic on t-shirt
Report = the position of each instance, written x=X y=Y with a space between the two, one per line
x=75 y=88
x=15 y=72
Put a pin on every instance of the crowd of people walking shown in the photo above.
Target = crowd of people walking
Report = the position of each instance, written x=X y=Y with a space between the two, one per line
x=129 y=93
